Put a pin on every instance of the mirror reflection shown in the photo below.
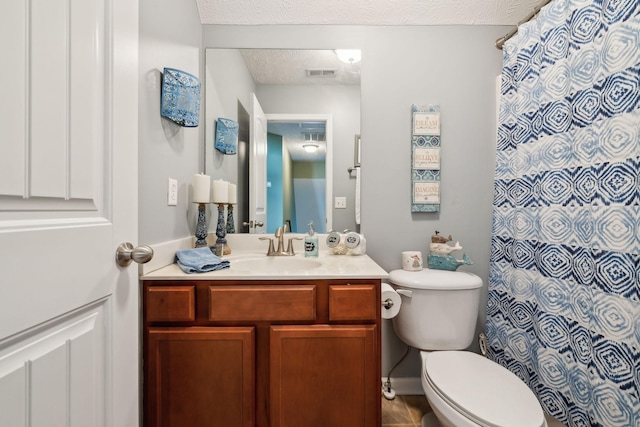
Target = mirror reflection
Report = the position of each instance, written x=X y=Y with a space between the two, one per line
x=297 y=114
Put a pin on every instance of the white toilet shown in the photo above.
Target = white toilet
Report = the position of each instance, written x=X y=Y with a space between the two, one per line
x=438 y=316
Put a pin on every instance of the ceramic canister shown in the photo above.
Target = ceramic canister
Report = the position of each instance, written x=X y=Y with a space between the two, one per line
x=412 y=260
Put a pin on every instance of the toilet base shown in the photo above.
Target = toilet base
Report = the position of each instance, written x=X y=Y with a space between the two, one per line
x=430 y=420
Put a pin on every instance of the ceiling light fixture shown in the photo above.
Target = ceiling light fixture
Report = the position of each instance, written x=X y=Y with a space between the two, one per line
x=310 y=148
x=348 y=56
x=311 y=141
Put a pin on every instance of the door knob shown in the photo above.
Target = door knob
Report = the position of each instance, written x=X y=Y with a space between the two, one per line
x=252 y=224
x=127 y=253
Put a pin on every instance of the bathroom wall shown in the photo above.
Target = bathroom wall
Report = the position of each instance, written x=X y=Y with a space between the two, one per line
x=228 y=84
x=170 y=36
x=455 y=67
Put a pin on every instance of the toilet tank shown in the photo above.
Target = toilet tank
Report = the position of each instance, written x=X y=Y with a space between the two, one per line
x=439 y=308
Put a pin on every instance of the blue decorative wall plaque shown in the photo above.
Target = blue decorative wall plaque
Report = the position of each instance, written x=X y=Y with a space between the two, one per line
x=226 y=136
x=180 y=98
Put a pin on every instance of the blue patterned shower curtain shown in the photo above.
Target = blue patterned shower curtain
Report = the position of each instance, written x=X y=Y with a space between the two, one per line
x=564 y=283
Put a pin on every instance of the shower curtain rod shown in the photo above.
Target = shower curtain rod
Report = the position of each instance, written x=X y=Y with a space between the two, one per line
x=527 y=18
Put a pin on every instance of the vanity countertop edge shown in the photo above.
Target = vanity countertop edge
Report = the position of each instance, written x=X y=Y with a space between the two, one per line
x=163 y=267
x=333 y=267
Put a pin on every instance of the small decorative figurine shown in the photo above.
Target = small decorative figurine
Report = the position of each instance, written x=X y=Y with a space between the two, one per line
x=439 y=258
x=417 y=262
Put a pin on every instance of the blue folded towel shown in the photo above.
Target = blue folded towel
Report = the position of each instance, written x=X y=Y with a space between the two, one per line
x=199 y=260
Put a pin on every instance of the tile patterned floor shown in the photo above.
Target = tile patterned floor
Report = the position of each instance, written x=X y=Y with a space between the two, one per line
x=404 y=411
x=407 y=411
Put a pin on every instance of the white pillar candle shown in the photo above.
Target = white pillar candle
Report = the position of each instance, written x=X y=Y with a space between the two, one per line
x=233 y=194
x=201 y=188
x=220 y=191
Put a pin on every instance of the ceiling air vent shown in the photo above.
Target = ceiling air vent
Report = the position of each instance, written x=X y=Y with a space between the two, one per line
x=321 y=72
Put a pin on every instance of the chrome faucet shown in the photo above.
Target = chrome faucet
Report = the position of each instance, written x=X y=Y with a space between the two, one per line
x=279 y=235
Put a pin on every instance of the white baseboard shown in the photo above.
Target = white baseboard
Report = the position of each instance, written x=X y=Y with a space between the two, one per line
x=405 y=386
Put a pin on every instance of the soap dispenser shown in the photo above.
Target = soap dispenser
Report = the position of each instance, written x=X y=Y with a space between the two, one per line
x=311 y=243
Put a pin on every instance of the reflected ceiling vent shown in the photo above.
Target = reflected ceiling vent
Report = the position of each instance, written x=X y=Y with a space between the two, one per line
x=321 y=72
x=312 y=127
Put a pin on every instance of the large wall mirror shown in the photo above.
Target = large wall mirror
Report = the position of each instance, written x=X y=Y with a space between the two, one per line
x=297 y=114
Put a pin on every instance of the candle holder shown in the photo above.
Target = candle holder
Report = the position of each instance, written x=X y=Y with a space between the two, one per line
x=201 y=225
x=221 y=242
x=231 y=228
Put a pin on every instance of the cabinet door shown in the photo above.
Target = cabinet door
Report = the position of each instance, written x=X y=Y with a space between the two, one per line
x=200 y=376
x=324 y=376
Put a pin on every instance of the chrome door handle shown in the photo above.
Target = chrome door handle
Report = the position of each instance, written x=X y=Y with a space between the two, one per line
x=127 y=253
x=253 y=224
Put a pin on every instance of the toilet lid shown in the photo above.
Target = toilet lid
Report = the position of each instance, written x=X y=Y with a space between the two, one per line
x=482 y=390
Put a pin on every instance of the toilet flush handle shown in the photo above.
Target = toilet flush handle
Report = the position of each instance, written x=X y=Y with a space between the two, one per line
x=407 y=293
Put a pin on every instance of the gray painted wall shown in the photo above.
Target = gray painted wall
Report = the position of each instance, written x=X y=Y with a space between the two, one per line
x=170 y=36
x=228 y=83
x=227 y=93
x=454 y=67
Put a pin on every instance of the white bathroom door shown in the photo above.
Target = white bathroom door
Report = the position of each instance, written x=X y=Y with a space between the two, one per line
x=68 y=196
x=257 y=167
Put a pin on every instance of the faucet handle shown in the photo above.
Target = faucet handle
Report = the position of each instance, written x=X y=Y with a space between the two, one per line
x=270 y=250
x=290 y=250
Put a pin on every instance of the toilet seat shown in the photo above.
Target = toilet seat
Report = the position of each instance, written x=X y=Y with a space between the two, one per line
x=483 y=391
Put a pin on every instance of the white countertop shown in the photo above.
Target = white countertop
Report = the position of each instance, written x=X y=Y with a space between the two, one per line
x=252 y=266
x=248 y=263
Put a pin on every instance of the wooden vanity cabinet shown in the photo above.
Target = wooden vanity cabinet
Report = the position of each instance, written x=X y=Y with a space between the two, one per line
x=322 y=376
x=261 y=353
x=200 y=376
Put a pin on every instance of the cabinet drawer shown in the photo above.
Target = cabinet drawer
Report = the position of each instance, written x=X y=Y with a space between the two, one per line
x=170 y=303
x=353 y=302
x=262 y=303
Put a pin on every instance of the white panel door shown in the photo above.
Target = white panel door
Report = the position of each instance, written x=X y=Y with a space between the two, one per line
x=68 y=197
x=257 y=167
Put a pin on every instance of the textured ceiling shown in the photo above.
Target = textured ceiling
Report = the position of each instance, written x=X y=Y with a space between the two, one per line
x=289 y=66
x=364 y=12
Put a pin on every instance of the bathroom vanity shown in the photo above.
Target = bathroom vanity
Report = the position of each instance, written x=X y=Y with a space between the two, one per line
x=269 y=342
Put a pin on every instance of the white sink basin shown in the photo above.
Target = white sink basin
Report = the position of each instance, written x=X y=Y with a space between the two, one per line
x=275 y=263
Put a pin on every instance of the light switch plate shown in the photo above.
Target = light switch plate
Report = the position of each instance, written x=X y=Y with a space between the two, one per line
x=172 y=192
x=341 y=203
